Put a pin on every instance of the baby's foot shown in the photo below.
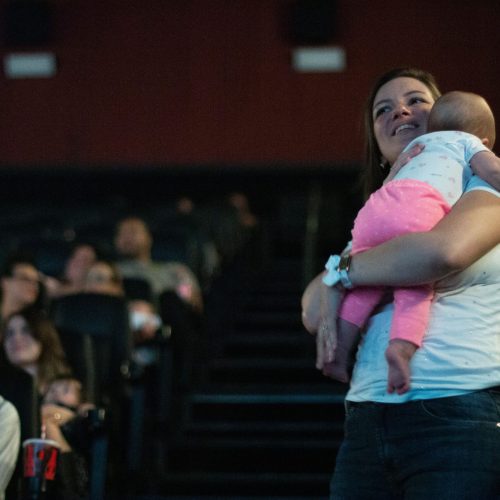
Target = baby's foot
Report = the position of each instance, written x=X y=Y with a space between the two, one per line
x=398 y=355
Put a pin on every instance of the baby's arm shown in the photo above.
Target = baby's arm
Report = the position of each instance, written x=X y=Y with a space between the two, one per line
x=486 y=165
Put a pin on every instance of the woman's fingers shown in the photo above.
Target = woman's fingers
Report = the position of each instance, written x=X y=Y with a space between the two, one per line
x=56 y=414
x=325 y=344
x=320 y=350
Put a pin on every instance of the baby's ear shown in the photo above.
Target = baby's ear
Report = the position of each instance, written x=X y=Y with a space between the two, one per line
x=486 y=142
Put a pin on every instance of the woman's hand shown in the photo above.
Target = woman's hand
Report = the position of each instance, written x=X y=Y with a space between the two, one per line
x=53 y=417
x=403 y=159
x=56 y=414
x=326 y=338
x=326 y=341
x=320 y=305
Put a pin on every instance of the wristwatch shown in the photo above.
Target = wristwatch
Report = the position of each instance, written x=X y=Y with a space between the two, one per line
x=338 y=270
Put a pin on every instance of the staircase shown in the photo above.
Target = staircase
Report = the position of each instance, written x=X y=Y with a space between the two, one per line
x=263 y=423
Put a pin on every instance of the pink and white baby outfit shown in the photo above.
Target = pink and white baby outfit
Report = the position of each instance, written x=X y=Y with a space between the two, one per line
x=420 y=195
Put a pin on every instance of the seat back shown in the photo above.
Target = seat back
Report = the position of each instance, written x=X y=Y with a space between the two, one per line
x=138 y=289
x=95 y=334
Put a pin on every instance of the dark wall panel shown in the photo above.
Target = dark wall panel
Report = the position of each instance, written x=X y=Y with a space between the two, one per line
x=196 y=82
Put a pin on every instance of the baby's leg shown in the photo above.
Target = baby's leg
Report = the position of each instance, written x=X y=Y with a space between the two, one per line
x=409 y=322
x=398 y=355
x=347 y=341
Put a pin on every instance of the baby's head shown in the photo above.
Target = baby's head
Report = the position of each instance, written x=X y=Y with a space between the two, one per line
x=64 y=390
x=463 y=111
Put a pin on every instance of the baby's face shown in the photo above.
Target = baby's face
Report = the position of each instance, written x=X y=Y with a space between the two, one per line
x=67 y=392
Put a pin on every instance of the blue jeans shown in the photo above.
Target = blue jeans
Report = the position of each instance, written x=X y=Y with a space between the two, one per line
x=446 y=448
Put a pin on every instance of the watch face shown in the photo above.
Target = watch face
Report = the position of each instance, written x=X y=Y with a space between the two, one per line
x=345 y=262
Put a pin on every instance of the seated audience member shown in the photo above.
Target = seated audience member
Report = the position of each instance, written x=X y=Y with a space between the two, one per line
x=247 y=218
x=234 y=229
x=144 y=323
x=9 y=443
x=133 y=243
x=187 y=214
x=75 y=270
x=20 y=284
x=103 y=277
x=31 y=343
x=64 y=420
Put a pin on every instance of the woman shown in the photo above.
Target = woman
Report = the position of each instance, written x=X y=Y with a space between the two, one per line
x=31 y=342
x=103 y=277
x=76 y=268
x=440 y=439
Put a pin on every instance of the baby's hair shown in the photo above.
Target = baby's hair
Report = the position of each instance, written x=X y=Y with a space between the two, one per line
x=68 y=377
x=463 y=111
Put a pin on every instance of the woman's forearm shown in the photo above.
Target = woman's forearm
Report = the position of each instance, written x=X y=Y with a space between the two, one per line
x=467 y=233
x=311 y=304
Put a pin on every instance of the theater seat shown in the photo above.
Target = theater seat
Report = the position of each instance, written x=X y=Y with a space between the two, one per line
x=95 y=334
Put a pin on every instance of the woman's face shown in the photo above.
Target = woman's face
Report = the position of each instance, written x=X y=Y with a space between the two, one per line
x=22 y=287
x=400 y=111
x=79 y=263
x=21 y=348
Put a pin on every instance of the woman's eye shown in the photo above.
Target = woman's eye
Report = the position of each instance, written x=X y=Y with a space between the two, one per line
x=417 y=100
x=381 y=111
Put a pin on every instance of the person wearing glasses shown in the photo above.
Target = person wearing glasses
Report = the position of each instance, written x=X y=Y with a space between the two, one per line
x=20 y=285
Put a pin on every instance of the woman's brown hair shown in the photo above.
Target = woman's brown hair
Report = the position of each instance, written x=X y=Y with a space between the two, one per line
x=374 y=174
x=52 y=361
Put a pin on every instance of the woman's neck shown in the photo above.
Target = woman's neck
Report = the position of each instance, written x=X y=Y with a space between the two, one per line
x=31 y=368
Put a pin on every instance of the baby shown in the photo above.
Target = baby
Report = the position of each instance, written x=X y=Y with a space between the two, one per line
x=413 y=199
x=65 y=391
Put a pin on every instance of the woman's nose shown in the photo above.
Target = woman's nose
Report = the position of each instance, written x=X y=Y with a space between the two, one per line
x=399 y=110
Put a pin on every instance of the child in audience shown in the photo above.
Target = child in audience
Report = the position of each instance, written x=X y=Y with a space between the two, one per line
x=63 y=413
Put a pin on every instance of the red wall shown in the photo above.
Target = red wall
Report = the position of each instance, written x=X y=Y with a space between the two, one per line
x=169 y=82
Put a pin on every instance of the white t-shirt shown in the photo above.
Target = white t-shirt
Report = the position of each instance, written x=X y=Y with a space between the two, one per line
x=9 y=443
x=461 y=347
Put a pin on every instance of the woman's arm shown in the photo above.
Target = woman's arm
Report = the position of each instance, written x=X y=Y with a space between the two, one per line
x=311 y=305
x=467 y=233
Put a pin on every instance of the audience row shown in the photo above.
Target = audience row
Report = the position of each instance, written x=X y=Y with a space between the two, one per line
x=157 y=293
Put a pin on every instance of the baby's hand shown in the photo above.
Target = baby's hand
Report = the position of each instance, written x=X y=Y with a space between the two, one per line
x=403 y=159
